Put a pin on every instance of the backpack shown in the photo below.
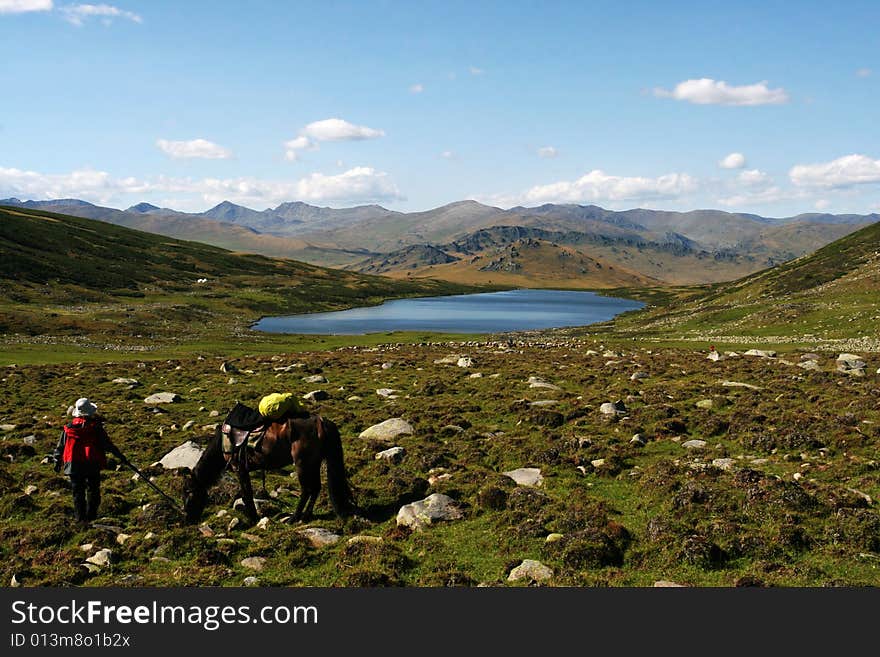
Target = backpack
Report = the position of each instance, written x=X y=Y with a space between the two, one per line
x=83 y=443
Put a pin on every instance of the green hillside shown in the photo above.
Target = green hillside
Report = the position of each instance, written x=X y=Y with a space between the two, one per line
x=832 y=294
x=90 y=280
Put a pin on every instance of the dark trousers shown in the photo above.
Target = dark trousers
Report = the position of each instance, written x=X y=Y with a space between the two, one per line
x=86 y=495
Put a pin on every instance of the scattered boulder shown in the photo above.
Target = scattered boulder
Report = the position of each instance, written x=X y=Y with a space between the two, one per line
x=542 y=403
x=694 y=444
x=102 y=558
x=851 y=364
x=316 y=395
x=641 y=375
x=531 y=570
x=724 y=464
x=465 y=362
x=254 y=563
x=9 y=427
x=30 y=489
x=810 y=365
x=613 y=408
x=705 y=403
x=189 y=425
x=714 y=356
x=316 y=378
x=182 y=456
x=388 y=430
x=760 y=353
x=638 y=440
x=530 y=477
x=163 y=398
x=126 y=381
x=448 y=360
x=737 y=384
x=537 y=382
x=318 y=536
x=387 y=392
x=434 y=508
x=666 y=584
x=394 y=454
x=250 y=580
x=227 y=368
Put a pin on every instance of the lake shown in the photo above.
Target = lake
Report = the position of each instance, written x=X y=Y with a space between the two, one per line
x=491 y=312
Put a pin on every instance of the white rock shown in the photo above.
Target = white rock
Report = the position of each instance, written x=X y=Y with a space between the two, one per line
x=355 y=398
x=465 y=362
x=14 y=583
x=8 y=427
x=163 y=398
x=388 y=430
x=476 y=375
x=613 y=408
x=724 y=464
x=126 y=381
x=365 y=539
x=122 y=538
x=526 y=476
x=182 y=456
x=316 y=395
x=30 y=489
x=597 y=463
x=637 y=439
x=694 y=444
x=101 y=558
x=665 y=584
x=737 y=384
x=714 y=356
x=543 y=402
x=705 y=403
x=386 y=392
x=393 y=454
x=448 y=360
x=189 y=425
x=760 y=353
x=254 y=563
x=531 y=570
x=318 y=536
x=263 y=523
x=251 y=581
x=317 y=378
x=434 y=508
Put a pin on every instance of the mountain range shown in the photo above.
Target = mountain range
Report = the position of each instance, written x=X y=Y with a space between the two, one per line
x=549 y=245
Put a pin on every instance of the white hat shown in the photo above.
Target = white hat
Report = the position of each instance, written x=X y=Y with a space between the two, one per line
x=84 y=408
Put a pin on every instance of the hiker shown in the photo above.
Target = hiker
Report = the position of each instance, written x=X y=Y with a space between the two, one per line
x=81 y=451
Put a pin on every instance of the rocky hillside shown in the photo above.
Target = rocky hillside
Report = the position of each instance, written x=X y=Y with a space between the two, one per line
x=550 y=462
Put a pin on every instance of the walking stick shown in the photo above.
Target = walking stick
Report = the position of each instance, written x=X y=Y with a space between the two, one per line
x=143 y=477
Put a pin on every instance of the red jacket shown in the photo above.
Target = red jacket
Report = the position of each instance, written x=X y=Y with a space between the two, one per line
x=83 y=445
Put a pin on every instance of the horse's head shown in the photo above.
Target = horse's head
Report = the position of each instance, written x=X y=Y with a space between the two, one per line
x=194 y=496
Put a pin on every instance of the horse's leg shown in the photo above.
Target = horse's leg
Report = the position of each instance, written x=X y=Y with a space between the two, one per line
x=303 y=491
x=247 y=494
x=264 y=493
x=314 y=488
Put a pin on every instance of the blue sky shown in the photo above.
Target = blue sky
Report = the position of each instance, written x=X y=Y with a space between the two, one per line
x=415 y=104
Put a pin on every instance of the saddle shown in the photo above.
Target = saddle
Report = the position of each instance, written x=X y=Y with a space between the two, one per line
x=242 y=427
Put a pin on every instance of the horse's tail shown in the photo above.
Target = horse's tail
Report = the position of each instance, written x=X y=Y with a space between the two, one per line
x=341 y=497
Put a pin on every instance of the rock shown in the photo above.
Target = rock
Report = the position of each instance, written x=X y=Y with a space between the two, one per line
x=163 y=398
x=434 y=479
x=387 y=392
x=318 y=536
x=665 y=584
x=531 y=570
x=434 y=508
x=705 y=403
x=714 y=356
x=101 y=558
x=182 y=456
x=30 y=489
x=355 y=398
x=737 y=384
x=638 y=439
x=537 y=382
x=639 y=376
x=263 y=523
x=122 y=538
x=597 y=463
x=387 y=366
x=694 y=444
x=317 y=378
x=542 y=403
x=476 y=375
x=365 y=539
x=760 y=353
x=30 y=440
x=14 y=583
x=724 y=464
x=851 y=364
x=613 y=408
x=465 y=362
x=316 y=395
x=797 y=476
x=126 y=381
x=251 y=581
x=395 y=454
x=254 y=563
x=525 y=476
x=8 y=427
x=864 y=496
x=809 y=365
x=214 y=414
x=388 y=430
x=552 y=538
x=228 y=368
x=189 y=425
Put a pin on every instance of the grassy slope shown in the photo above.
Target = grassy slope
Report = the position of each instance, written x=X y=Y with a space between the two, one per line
x=80 y=281
x=832 y=294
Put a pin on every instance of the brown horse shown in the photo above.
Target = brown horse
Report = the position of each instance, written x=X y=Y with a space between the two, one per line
x=302 y=440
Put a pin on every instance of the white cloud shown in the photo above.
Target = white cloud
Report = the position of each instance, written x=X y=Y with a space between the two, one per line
x=597 y=186
x=864 y=72
x=733 y=161
x=327 y=130
x=707 y=91
x=78 y=14
x=195 y=148
x=448 y=155
x=845 y=171
x=357 y=185
x=339 y=130
x=23 y=6
x=547 y=152
x=752 y=197
x=754 y=178
x=822 y=204
x=416 y=89
x=476 y=71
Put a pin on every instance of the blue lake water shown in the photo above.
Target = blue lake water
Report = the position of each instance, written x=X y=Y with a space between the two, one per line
x=492 y=312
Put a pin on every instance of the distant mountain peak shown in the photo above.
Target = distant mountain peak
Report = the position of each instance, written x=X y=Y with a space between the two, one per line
x=143 y=207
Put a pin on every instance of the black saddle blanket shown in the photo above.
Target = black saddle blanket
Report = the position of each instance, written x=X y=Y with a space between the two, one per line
x=244 y=417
